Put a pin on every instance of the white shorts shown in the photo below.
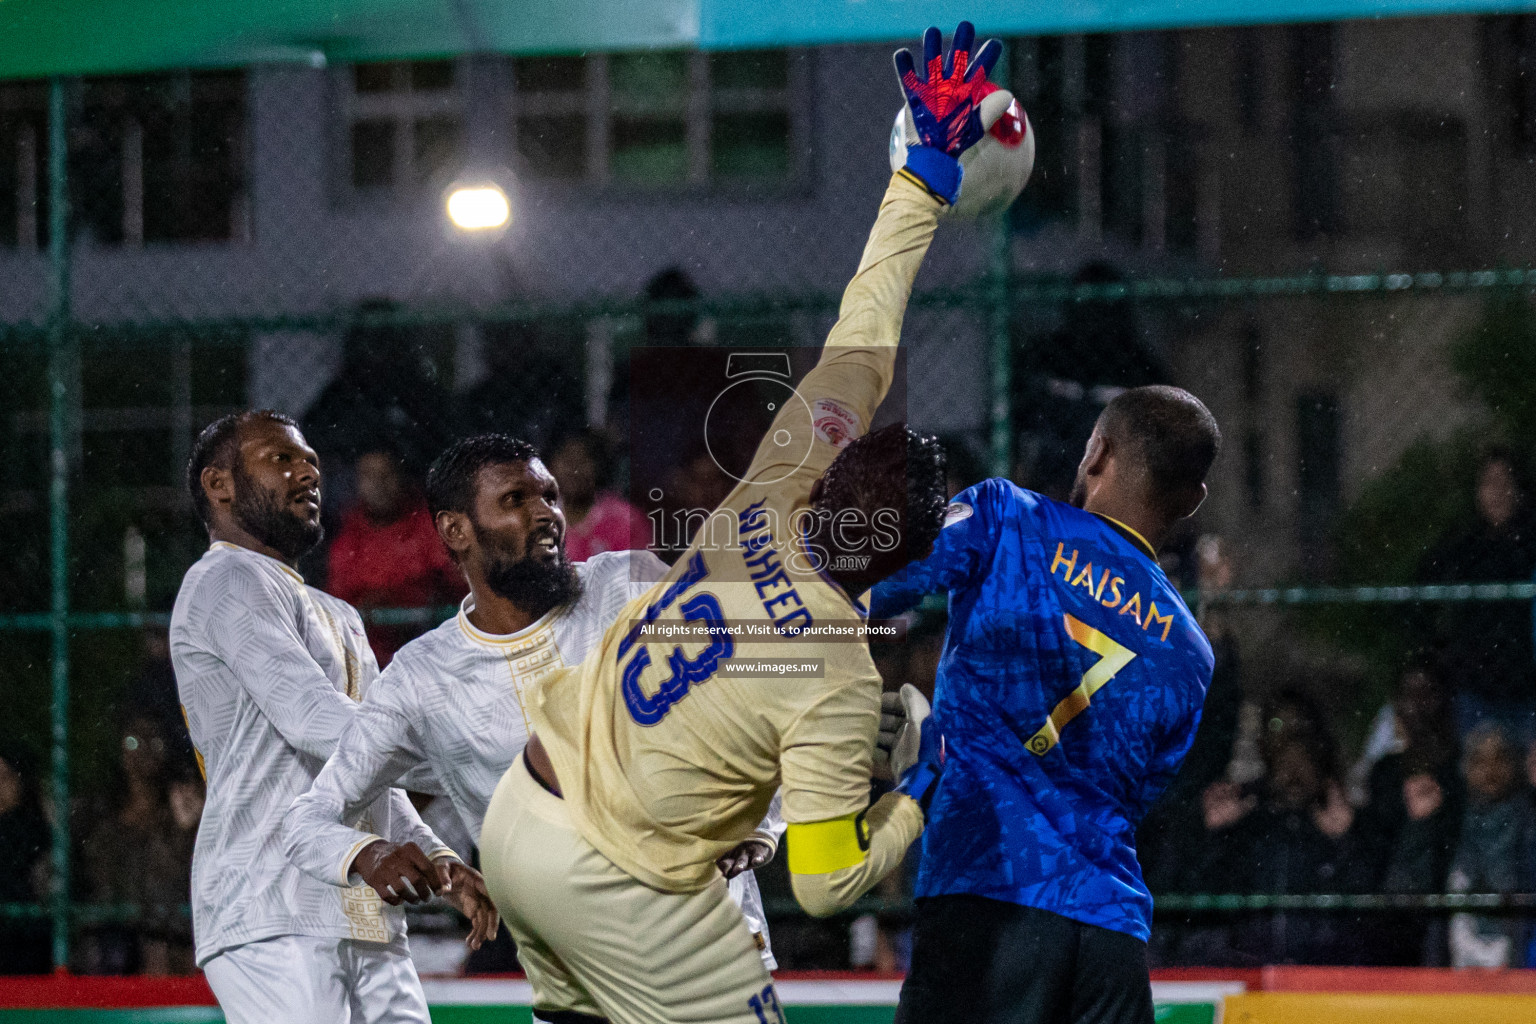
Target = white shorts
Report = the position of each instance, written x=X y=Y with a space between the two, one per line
x=595 y=941
x=300 y=979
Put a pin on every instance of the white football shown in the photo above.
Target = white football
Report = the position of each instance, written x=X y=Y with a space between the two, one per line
x=996 y=168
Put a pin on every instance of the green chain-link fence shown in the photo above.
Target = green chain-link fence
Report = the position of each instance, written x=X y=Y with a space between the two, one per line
x=178 y=246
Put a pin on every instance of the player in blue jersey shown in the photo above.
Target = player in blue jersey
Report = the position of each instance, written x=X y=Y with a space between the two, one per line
x=1068 y=693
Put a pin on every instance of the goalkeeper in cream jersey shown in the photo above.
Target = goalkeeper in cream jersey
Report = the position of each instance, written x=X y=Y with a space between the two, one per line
x=656 y=756
x=447 y=716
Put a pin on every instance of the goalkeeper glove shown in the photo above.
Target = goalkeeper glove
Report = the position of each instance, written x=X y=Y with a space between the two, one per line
x=946 y=105
x=917 y=755
x=892 y=718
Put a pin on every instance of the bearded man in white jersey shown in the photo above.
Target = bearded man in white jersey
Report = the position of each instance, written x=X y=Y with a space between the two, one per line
x=270 y=671
x=446 y=717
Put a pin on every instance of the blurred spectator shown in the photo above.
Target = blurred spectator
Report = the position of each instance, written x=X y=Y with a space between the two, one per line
x=135 y=858
x=661 y=397
x=1211 y=753
x=671 y=327
x=172 y=953
x=1415 y=779
x=1496 y=850
x=1061 y=384
x=387 y=553
x=1169 y=834
x=1410 y=816
x=389 y=391
x=1294 y=833
x=1291 y=715
x=24 y=851
x=152 y=694
x=1486 y=645
x=534 y=386
x=694 y=486
x=597 y=518
x=963 y=466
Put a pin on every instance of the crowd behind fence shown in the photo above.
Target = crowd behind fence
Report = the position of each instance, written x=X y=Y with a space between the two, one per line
x=1417 y=846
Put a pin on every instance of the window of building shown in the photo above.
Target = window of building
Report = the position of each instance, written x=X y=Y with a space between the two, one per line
x=751 y=128
x=1405 y=177
x=143 y=399
x=406 y=125
x=23 y=164
x=1318 y=460
x=668 y=118
x=1111 y=156
x=1314 y=131
x=550 y=114
x=1047 y=75
x=160 y=158
x=152 y=158
x=1509 y=57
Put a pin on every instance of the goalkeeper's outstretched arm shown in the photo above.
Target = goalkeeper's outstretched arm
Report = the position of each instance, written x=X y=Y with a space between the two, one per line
x=859 y=358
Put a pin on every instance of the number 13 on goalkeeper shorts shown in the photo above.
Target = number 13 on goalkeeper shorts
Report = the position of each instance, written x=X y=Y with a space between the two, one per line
x=766 y=1005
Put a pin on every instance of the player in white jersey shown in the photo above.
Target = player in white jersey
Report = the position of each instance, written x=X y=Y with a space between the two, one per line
x=447 y=714
x=270 y=671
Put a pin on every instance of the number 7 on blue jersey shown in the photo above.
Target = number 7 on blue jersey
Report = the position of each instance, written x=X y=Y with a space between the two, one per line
x=1112 y=658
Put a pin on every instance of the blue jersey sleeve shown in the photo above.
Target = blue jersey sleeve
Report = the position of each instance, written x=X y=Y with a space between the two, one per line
x=1172 y=750
x=964 y=546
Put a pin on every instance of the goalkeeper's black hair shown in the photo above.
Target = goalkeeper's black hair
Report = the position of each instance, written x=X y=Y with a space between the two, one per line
x=451 y=480
x=894 y=467
x=218 y=445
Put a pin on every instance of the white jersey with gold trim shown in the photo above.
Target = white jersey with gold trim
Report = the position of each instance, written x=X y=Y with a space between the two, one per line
x=270 y=671
x=447 y=717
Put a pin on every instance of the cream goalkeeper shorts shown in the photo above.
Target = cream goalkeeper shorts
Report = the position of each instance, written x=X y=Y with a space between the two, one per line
x=595 y=941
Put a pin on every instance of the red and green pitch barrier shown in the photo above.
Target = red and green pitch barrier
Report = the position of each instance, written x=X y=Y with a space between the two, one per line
x=807 y=999
x=1273 y=995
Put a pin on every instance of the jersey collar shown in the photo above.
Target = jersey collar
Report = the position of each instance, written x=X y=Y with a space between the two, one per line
x=481 y=636
x=224 y=545
x=1130 y=535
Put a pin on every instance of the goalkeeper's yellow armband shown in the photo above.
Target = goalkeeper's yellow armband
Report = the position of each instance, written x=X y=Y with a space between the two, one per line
x=821 y=847
x=832 y=863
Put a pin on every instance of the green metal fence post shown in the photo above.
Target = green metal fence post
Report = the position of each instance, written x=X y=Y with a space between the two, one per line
x=60 y=420
x=1001 y=419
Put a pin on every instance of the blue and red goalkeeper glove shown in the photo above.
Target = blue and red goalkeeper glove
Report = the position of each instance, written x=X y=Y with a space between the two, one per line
x=917 y=753
x=945 y=101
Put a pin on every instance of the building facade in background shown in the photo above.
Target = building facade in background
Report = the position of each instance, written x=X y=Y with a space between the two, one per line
x=221 y=219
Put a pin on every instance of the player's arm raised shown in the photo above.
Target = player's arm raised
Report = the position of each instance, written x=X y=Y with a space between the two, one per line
x=859 y=358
